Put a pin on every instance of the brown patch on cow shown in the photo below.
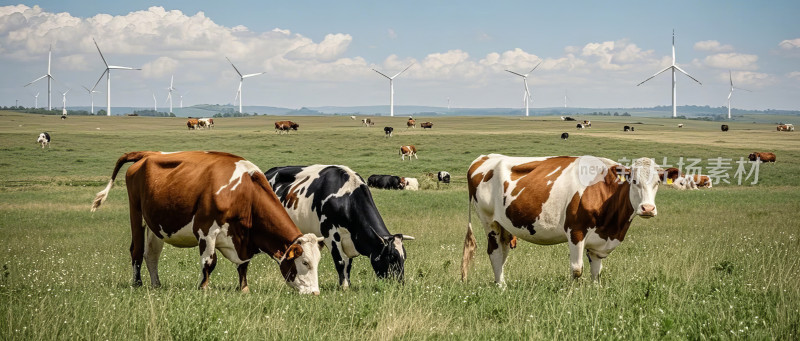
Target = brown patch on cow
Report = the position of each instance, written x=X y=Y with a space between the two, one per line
x=473 y=180
x=291 y=197
x=525 y=209
x=492 y=245
x=673 y=173
x=488 y=176
x=702 y=180
x=604 y=206
x=513 y=243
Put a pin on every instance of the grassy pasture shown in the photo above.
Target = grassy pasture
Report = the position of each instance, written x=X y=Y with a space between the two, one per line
x=719 y=263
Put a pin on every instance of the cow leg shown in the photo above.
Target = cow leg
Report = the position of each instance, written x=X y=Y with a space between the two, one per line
x=498 y=240
x=415 y=156
x=242 y=269
x=341 y=262
x=596 y=263
x=576 y=246
x=152 y=251
x=208 y=257
x=137 y=243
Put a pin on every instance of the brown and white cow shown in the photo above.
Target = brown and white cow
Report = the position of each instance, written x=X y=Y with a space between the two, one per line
x=701 y=180
x=217 y=201
x=411 y=123
x=281 y=126
x=587 y=202
x=409 y=151
x=785 y=127
x=367 y=122
x=207 y=123
x=762 y=156
x=192 y=123
x=426 y=125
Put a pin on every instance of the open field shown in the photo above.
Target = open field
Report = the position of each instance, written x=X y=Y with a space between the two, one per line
x=717 y=263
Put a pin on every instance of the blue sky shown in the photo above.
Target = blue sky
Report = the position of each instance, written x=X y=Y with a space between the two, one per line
x=321 y=53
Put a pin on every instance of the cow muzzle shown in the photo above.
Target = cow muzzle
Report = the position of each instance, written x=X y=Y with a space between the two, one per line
x=647 y=211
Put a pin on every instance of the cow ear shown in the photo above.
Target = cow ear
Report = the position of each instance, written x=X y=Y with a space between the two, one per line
x=294 y=252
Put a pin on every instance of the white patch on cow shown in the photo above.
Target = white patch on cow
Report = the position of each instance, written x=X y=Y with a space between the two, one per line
x=225 y=244
x=553 y=172
x=167 y=153
x=398 y=245
x=348 y=247
x=599 y=246
x=184 y=237
x=242 y=167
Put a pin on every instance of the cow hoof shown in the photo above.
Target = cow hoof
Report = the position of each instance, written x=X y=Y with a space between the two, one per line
x=136 y=284
x=246 y=290
x=577 y=273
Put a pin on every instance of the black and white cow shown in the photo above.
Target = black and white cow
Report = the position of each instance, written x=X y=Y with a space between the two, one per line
x=388 y=131
x=44 y=139
x=564 y=136
x=386 y=181
x=444 y=177
x=334 y=202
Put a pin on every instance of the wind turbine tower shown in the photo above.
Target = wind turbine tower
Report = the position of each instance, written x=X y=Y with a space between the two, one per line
x=36 y=101
x=49 y=78
x=64 y=102
x=91 y=93
x=526 y=96
x=155 y=103
x=241 y=79
x=107 y=73
x=673 y=67
x=391 y=87
x=730 y=76
x=171 y=89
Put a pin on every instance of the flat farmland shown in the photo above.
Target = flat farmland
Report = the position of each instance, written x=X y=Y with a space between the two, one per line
x=715 y=263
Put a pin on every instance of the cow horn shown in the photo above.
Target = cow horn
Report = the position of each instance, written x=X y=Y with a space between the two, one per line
x=405 y=237
x=320 y=239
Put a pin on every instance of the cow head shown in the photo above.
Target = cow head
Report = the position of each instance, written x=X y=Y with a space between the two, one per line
x=42 y=138
x=389 y=261
x=299 y=264
x=644 y=181
x=753 y=156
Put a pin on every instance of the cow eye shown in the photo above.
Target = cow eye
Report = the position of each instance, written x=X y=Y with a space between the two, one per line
x=305 y=263
x=634 y=182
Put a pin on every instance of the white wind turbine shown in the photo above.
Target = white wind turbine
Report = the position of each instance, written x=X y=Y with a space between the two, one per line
x=107 y=73
x=241 y=79
x=64 y=102
x=565 y=98
x=391 y=87
x=36 y=101
x=49 y=78
x=730 y=76
x=171 y=89
x=526 y=97
x=674 y=86
x=155 y=103
x=91 y=93
x=185 y=93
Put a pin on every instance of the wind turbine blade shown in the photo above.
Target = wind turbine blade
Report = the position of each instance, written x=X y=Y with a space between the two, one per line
x=114 y=67
x=657 y=73
x=99 y=79
x=521 y=75
x=730 y=76
x=381 y=73
x=404 y=70
x=743 y=89
x=34 y=81
x=171 y=78
x=534 y=68
x=234 y=66
x=687 y=75
x=101 y=53
x=87 y=89
x=254 y=74
x=729 y=94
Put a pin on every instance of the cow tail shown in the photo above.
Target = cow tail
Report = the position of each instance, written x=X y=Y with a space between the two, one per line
x=469 y=245
x=125 y=158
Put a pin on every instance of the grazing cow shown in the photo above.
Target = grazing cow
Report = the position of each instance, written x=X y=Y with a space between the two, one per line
x=680 y=125
x=691 y=181
x=587 y=124
x=426 y=125
x=353 y=118
x=388 y=131
x=44 y=139
x=386 y=181
x=785 y=127
x=701 y=180
x=564 y=136
x=579 y=126
x=443 y=177
x=207 y=123
x=671 y=174
x=585 y=201
x=762 y=156
x=334 y=202
x=192 y=124
x=684 y=182
x=409 y=151
x=281 y=126
x=412 y=184
x=627 y=128
x=216 y=201
x=724 y=127
x=367 y=122
x=567 y=118
x=411 y=123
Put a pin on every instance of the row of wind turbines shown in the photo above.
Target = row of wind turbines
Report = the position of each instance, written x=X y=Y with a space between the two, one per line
x=526 y=97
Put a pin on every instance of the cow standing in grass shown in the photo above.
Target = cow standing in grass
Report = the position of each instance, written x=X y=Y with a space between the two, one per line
x=44 y=140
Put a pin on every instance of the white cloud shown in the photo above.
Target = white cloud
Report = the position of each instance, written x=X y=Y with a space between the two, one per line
x=747 y=79
x=794 y=75
x=615 y=55
x=159 y=68
x=391 y=34
x=790 y=44
x=732 y=61
x=712 y=46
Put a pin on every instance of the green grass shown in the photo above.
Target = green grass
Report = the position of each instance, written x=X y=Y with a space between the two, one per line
x=715 y=264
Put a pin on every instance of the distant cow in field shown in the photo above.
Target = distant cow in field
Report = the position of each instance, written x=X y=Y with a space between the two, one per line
x=388 y=131
x=412 y=184
x=564 y=136
x=579 y=126
x=409 y=151
x=44 y=139
x=353 y=118
x=411 y=123
x=567 y=118
x=386 y=181
x=680 y=125
x=551 y=200
x=702 y=180
x=684 y=182
x=587 y=124
x=627 y=128
x=443 y=177
x=213 y=201
x=426 y=125
x=724 y=127
x=763 y=156
x=785 y=127
x=192 y=123
x=367 y=122
x=207 y=123
x=281 y=126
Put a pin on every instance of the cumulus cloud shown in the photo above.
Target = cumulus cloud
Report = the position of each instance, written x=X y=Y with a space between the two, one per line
x=790 y=44
x=615 y=55
x=749 y=79
x=794 y=75
x=712 y=46
x=732 y=61
x=159 y=67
